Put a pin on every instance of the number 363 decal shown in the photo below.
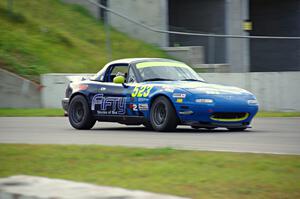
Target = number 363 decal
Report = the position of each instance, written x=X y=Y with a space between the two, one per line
x=141 y=91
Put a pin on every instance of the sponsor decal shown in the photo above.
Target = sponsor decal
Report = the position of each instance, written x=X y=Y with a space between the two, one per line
x=143 y=99
x=179 y=95
x=133 y=107
x=143 y=107
x=212 y=92
x=229 y=97
x=132 y=99
x=141 y=91
x=109 y=105
x=179 y=100
x=168 y=89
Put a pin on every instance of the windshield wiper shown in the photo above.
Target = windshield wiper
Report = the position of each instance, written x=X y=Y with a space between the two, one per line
x=157 y=79
x=195 y=80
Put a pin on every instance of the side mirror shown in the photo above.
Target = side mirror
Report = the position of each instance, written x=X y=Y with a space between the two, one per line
x=119 y=80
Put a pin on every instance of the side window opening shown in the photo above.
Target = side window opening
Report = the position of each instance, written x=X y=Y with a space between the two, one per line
x=121 y=70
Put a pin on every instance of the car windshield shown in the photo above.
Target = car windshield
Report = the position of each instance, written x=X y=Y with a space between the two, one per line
x=166 y=71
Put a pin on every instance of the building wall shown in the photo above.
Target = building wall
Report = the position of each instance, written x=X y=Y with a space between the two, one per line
x=269 y=17
x=17 y=92
x=206 y=16
x=237 y=50
x=280 y=18
x=149 y=12
x=215 y=17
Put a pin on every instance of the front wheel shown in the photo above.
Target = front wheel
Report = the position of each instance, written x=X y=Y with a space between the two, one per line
x=148 y=125
x=80 y=115
x=163 y=115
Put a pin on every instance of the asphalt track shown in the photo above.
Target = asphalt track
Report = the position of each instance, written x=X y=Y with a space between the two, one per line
x=268 y=135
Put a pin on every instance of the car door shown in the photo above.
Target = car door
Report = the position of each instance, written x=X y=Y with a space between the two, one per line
x=111 y=98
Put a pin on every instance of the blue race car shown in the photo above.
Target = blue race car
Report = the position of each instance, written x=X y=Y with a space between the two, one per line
x=158 y=93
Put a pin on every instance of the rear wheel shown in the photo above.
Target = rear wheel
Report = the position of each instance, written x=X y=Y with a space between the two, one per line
x=163 y=115
x=80 y=115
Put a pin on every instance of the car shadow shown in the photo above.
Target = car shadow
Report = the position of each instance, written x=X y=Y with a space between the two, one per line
x=178 y=130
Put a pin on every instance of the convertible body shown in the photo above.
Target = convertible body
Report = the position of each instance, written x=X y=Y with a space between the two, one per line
x=159 y=93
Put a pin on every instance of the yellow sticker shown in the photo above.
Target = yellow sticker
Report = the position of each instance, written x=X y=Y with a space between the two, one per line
x=180 y=100
x=141 y=91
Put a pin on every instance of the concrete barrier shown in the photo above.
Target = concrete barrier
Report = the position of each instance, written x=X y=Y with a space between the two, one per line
x=192 y=55
x=31 y=187
x=54 y=87
x=18 y=92
x=276 y=91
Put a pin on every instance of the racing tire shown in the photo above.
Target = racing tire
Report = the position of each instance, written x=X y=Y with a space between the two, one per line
x=80 y=115
x=163 y=115
x=148 y=125
x=236 y=129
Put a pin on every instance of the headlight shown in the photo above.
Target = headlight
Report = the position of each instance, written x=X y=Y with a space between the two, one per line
x=205 y=101
x=253 y=102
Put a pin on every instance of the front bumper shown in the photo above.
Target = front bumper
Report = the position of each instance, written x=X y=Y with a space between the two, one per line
x=215 y=125
x=202 y=115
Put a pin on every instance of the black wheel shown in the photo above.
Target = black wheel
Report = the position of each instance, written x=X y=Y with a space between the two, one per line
x=236 y=129
x=163 y=115
x=148 y=125
x=80 y=115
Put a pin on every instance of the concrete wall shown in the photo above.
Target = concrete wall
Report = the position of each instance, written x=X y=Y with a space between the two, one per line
x=276 y=91
x=237 y=49
x=54 y=87
x=33 y=187
x=192 y=55
x=150 y=12
x=17 y=92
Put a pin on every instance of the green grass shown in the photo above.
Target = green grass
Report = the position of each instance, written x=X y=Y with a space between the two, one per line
x=50 y=36
x=193 y=174
x=278 y=114
x=26 y=112
x=11 y=112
